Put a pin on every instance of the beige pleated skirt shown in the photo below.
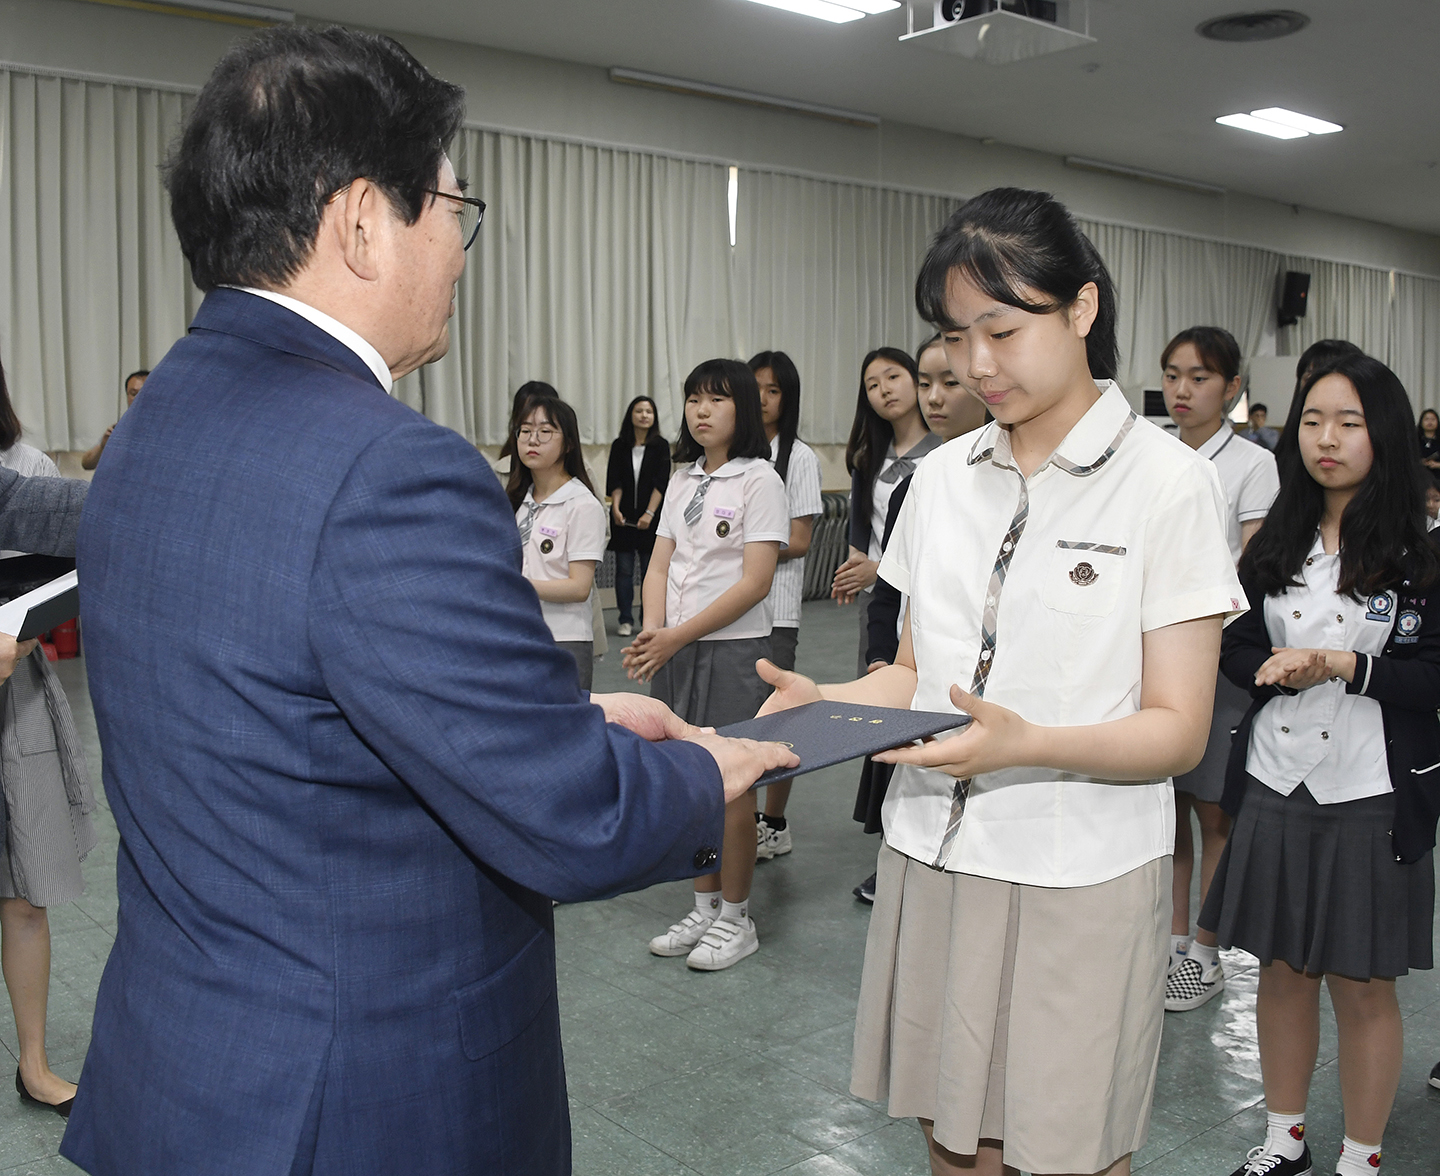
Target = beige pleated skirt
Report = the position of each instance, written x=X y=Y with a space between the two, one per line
x=1016 y=1013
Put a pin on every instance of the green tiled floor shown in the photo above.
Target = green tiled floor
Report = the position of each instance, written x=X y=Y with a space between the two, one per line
x=674 y=1073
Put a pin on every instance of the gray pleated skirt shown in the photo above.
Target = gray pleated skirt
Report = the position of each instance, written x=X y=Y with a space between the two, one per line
x=1318 y=886
x=584 y=654
x=1207 y=781
x=714 y=683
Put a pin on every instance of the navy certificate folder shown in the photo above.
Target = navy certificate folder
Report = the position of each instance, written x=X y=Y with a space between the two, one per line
x=826 y=733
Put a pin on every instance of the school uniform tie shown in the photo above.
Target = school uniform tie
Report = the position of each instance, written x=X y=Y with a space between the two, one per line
x=526 y=523
x=900 y=468
x=697 y=504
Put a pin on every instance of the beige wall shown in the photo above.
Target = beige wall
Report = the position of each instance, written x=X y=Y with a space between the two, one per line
x=534 y=94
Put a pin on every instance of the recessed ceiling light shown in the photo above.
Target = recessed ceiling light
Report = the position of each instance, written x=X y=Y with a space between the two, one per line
x=1261 y=126
x=1301 y=122
x=835 y=13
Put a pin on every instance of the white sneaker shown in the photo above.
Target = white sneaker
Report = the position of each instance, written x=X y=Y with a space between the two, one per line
x=770 y=842
x=725 y=943
x=625 y=629
x=1189 y=986
x=682 y=936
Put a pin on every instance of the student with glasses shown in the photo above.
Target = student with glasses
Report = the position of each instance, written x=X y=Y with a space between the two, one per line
x=562 y=524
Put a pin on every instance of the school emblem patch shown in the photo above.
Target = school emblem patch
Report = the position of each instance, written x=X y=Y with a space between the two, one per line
x=1407 y=628
x=1083 y=575
x=547 y=546
x=722 y=528
x=1378 y=607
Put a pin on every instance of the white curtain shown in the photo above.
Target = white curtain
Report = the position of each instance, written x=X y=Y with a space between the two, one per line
x=92 y=283
x=606 y=272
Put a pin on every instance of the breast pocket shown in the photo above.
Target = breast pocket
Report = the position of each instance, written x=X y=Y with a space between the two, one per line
x=727 y=525
x=1084 y=578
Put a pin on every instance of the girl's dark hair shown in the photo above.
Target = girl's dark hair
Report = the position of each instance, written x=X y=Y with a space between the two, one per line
x=10 y=429
x=1322 y=355
x=726 y=377
x=787 y=377
x=1216 y=347
x=870 y=433
x=562 y=417
x=1382 y=532
x=527 y=391
x=1009 y=240
x=1420 y=422
x=627 y=425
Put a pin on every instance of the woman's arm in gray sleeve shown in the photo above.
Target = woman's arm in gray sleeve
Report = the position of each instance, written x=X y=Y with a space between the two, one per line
x=40 y=515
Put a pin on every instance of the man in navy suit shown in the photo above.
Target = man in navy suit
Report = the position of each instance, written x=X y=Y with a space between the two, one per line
x=349 y=766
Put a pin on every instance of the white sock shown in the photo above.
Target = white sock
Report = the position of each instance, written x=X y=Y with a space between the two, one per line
x=1284 y=1135
x=707 y=903
x=736 y=912
x=1357 y=1159
x=1206 y=957
x=1179 y=945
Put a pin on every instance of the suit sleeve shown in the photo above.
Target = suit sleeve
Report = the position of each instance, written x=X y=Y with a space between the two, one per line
x=40 y=515
x=433 y=647
x=1409 y=682
x=613 y=480
x=859 y=535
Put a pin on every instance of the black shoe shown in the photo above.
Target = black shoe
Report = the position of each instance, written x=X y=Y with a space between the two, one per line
x=865 y=892
x=1435 y=1076
x=1259 y=1163
x=61 y=1109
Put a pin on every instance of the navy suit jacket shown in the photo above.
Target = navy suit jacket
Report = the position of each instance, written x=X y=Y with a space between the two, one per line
x=350 y=769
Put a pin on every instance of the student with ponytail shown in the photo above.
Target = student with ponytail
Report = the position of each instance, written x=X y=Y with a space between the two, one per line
x=1074 y=555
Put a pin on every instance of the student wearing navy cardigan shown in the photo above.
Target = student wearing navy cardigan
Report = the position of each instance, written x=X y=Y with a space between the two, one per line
x=1334 y=772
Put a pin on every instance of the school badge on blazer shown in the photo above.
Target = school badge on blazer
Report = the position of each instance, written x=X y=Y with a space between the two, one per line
x=1083 y=574
x=1378 y=607
x=1407 y=627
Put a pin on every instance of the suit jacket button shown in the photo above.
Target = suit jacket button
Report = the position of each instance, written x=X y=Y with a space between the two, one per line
x=705 y=857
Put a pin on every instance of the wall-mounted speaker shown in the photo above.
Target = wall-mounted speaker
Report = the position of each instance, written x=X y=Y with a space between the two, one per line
x=1294 y=296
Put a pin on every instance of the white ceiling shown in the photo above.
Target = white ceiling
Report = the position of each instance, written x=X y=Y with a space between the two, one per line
x=1151 y=103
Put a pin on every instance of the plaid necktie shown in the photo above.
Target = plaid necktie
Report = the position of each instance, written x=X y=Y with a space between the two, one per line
x=531 y=510
x=697 y=504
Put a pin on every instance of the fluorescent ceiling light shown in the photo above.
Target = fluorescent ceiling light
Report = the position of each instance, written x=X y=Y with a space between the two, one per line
x=1300 y=122
x=820 y=9
x=1261 y=126
x=838 y=12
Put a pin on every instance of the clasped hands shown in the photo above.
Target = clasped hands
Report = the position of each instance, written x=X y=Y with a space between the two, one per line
x=1300 y=669
x=852 y=577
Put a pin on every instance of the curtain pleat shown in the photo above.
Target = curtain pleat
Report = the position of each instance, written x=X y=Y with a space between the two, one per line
x=606 y=272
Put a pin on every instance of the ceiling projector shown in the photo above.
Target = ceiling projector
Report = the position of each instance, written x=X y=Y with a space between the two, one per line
x=1000 y=31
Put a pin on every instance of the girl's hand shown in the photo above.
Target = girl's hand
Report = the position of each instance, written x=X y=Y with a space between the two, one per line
x=1297 y=669
x=615 y=512
x=645 y=520
x=996 y=738
x=791 y=689
x=852 y=577
x=648 y=652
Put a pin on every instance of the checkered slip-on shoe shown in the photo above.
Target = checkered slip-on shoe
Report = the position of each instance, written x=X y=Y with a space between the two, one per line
x=1190 y=985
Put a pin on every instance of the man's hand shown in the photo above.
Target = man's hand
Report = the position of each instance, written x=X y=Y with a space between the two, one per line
x=743 y=761
x=1298 y=669
x=648 y=717
x=996 y=738
x=12 y=652
x=650 y=650
x=791 y=689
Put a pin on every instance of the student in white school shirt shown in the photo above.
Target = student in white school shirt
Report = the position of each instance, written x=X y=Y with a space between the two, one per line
x=708 y=618
x=1075 y=556
x=1200 y=378
x=799 y=468
x=562 y=523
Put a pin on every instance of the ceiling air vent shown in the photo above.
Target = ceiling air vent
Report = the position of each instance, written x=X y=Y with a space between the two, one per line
x=1254 y=26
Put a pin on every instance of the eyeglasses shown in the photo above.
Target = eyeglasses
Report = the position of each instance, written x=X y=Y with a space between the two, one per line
x=541 y=434
x=471 y=212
